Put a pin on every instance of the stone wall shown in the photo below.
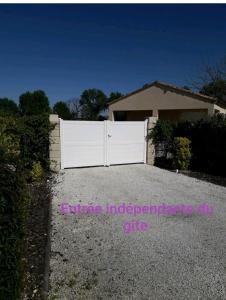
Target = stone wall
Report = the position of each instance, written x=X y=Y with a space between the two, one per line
x=150 y=146
x=54 y=149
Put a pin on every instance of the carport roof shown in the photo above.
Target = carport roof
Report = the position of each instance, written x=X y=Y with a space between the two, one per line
x=176 y=89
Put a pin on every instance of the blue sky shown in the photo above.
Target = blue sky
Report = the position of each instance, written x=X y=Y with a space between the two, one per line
x=64 y=49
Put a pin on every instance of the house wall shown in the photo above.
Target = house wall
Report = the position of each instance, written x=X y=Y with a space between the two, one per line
x=156 y=98
x=220 y=109
x=134 y=115
x=182 y=114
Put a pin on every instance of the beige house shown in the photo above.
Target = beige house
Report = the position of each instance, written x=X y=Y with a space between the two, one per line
x=164 y=101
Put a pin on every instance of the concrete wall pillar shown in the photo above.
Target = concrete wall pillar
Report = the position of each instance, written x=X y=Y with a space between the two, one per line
x=54 y=148
x=211 y=110
x=155 y=113
x=150 y=146
x=112 y=117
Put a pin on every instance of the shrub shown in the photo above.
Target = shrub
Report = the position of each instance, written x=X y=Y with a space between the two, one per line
x=26 y=139
x=162 y=134
x=9 y=137
x=8 y=107
x=36 y=171
x=208 y=142
x=23 y=141
x=13 y=202
x=181 y=153
x=34 y=140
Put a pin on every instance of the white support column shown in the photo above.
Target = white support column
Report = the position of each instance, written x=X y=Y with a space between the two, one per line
x=211 y=110
x=112 y=116
x=155 y=113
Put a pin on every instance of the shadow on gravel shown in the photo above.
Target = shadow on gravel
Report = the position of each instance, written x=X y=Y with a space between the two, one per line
x=37 y=246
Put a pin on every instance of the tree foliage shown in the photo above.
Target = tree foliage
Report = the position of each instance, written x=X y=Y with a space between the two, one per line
x=62 y=109
x=91 y=105
x=162 y=133
x=114 y=96
x=34 y=103
x=13 y=210
x=215 y=89
x=212 y=80
x=75 y=108
x=8 y=107
x=24 y=142
x=92 y=102
x=9 y=138
x=34 y=140
x=208 y=142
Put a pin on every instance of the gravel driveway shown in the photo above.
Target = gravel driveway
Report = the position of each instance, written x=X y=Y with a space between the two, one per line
x=179 y=257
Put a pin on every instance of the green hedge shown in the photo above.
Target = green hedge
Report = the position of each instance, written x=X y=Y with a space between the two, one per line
x=208 y=142
x=13 y=204
x=34 y=140
x=24 y=141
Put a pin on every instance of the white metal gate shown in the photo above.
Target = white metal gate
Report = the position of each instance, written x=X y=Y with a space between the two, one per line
x=96 y=143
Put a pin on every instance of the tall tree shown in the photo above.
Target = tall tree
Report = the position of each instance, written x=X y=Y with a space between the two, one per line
x=212 y=80
x=114 y=96
x=75 y=108
x=34 y=103
x=62 y=110
x=215 y=89
x=92 y=102
x=8 y=107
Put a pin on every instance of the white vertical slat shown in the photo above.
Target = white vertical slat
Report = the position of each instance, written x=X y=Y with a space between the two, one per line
x=108 y=136
x=105 y=143
x=126 y=142
x=96 y=143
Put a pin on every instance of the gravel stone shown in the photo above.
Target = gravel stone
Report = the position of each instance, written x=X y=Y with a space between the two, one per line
x=179 y=257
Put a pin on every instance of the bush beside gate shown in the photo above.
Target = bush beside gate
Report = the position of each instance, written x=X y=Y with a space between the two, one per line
x=24 y=149
x=208 y=143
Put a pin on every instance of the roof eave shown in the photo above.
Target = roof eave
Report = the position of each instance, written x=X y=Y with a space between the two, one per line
x=160 y=84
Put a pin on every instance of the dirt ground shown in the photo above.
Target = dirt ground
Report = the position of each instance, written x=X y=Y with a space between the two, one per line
x=37 y=248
